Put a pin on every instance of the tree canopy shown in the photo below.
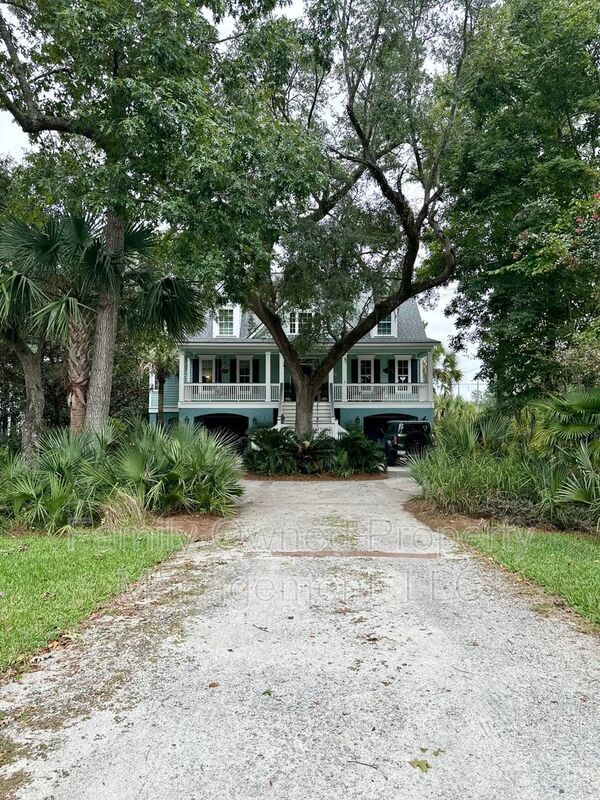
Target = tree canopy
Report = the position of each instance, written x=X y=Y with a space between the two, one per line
x=337 y=183
x=525 y=170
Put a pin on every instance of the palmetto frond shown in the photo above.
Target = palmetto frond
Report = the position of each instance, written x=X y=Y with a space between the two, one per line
x=32 y=249
x=583 y=485
x=567 y=419
x=172 y=304
x=20 y=297
x=139 y=241
x=58 y=315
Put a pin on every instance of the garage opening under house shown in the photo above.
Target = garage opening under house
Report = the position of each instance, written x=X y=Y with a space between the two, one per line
x=232 y=376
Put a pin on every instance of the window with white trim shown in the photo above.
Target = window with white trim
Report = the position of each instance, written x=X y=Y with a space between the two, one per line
x=297 y=319
x=208 y=370
x=384 y=326
x=244 y=370
x=226 y=322
x=365 y=370
x=402 y=370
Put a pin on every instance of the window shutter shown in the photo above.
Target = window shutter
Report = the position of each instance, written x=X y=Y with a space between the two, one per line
x=233 y=371
x=255 y=370
x=354 y=370
x=218 y=371
x=376 y=371
x=414 y=370
x=195 y=370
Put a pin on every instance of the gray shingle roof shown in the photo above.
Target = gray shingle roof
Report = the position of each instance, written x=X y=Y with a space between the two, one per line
x=409 y=329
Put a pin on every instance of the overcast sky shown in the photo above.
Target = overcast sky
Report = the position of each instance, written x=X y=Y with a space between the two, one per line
x=13 y=142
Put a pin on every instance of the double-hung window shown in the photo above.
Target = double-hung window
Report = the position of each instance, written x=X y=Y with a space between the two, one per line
x=384 y=326
x=226 y=322
x=296 y=320
x=244 y=370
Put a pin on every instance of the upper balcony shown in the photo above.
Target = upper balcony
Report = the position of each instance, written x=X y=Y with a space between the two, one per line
x=343 y=393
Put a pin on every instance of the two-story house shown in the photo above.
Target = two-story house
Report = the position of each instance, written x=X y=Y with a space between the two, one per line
x=231 y=375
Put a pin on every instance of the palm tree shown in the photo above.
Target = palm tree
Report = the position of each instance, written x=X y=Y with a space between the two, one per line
x=20 y=300
x=66 y=265
x=446 y=371
x=160 y=359
x=66 y=258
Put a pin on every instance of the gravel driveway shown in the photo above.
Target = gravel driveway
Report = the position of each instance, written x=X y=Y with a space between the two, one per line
x=392 y=666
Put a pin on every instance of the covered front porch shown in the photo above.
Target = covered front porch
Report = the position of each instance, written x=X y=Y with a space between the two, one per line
x=392 y=378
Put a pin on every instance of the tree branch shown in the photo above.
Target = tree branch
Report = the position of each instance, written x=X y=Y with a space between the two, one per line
x=18 y=67
x=31 y=119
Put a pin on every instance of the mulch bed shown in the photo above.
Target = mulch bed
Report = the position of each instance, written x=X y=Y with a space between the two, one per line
x=444 y=523
x=359 y=476
x=455 y=523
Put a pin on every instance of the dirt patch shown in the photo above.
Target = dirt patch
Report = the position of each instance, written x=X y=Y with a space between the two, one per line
x=450 y=524
x=197 y=527
x=358 y=476
x=9 y=784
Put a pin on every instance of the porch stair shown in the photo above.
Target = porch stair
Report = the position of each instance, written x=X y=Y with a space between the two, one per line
x=322 y=419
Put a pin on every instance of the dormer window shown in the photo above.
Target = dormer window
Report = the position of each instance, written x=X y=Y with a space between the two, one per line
x=296 y=320
x=384 y=326
x=226 y=322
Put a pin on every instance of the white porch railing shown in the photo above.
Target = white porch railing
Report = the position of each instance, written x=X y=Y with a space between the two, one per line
x=381 y=392
x=342 y=393
x=230 y=392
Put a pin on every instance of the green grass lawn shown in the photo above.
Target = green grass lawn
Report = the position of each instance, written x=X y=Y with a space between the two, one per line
x=565 y=564
x=48 y=584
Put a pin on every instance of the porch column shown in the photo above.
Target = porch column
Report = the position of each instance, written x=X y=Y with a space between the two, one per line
x=344 y=377
x=181 y=375
x=268 y=376
x=281 y=369
x=331 y=390
x=430 y=375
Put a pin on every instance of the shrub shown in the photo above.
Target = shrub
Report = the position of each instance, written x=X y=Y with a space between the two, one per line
x=363 y=454
x=271 y=451
x=541 y=467
x=283 y=452
x=83 y=478
x=315 y=453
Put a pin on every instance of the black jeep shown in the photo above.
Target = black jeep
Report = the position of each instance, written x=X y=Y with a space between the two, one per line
x=406 y=437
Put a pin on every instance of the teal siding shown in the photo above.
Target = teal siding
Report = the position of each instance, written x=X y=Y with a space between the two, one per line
x=264 y=416
x=171 y=393
x=169 y=415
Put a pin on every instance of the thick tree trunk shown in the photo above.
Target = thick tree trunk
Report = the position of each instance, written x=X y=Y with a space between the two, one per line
x=78 y=370
x=31 y=428
x=305 y=398
x=98 y=401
